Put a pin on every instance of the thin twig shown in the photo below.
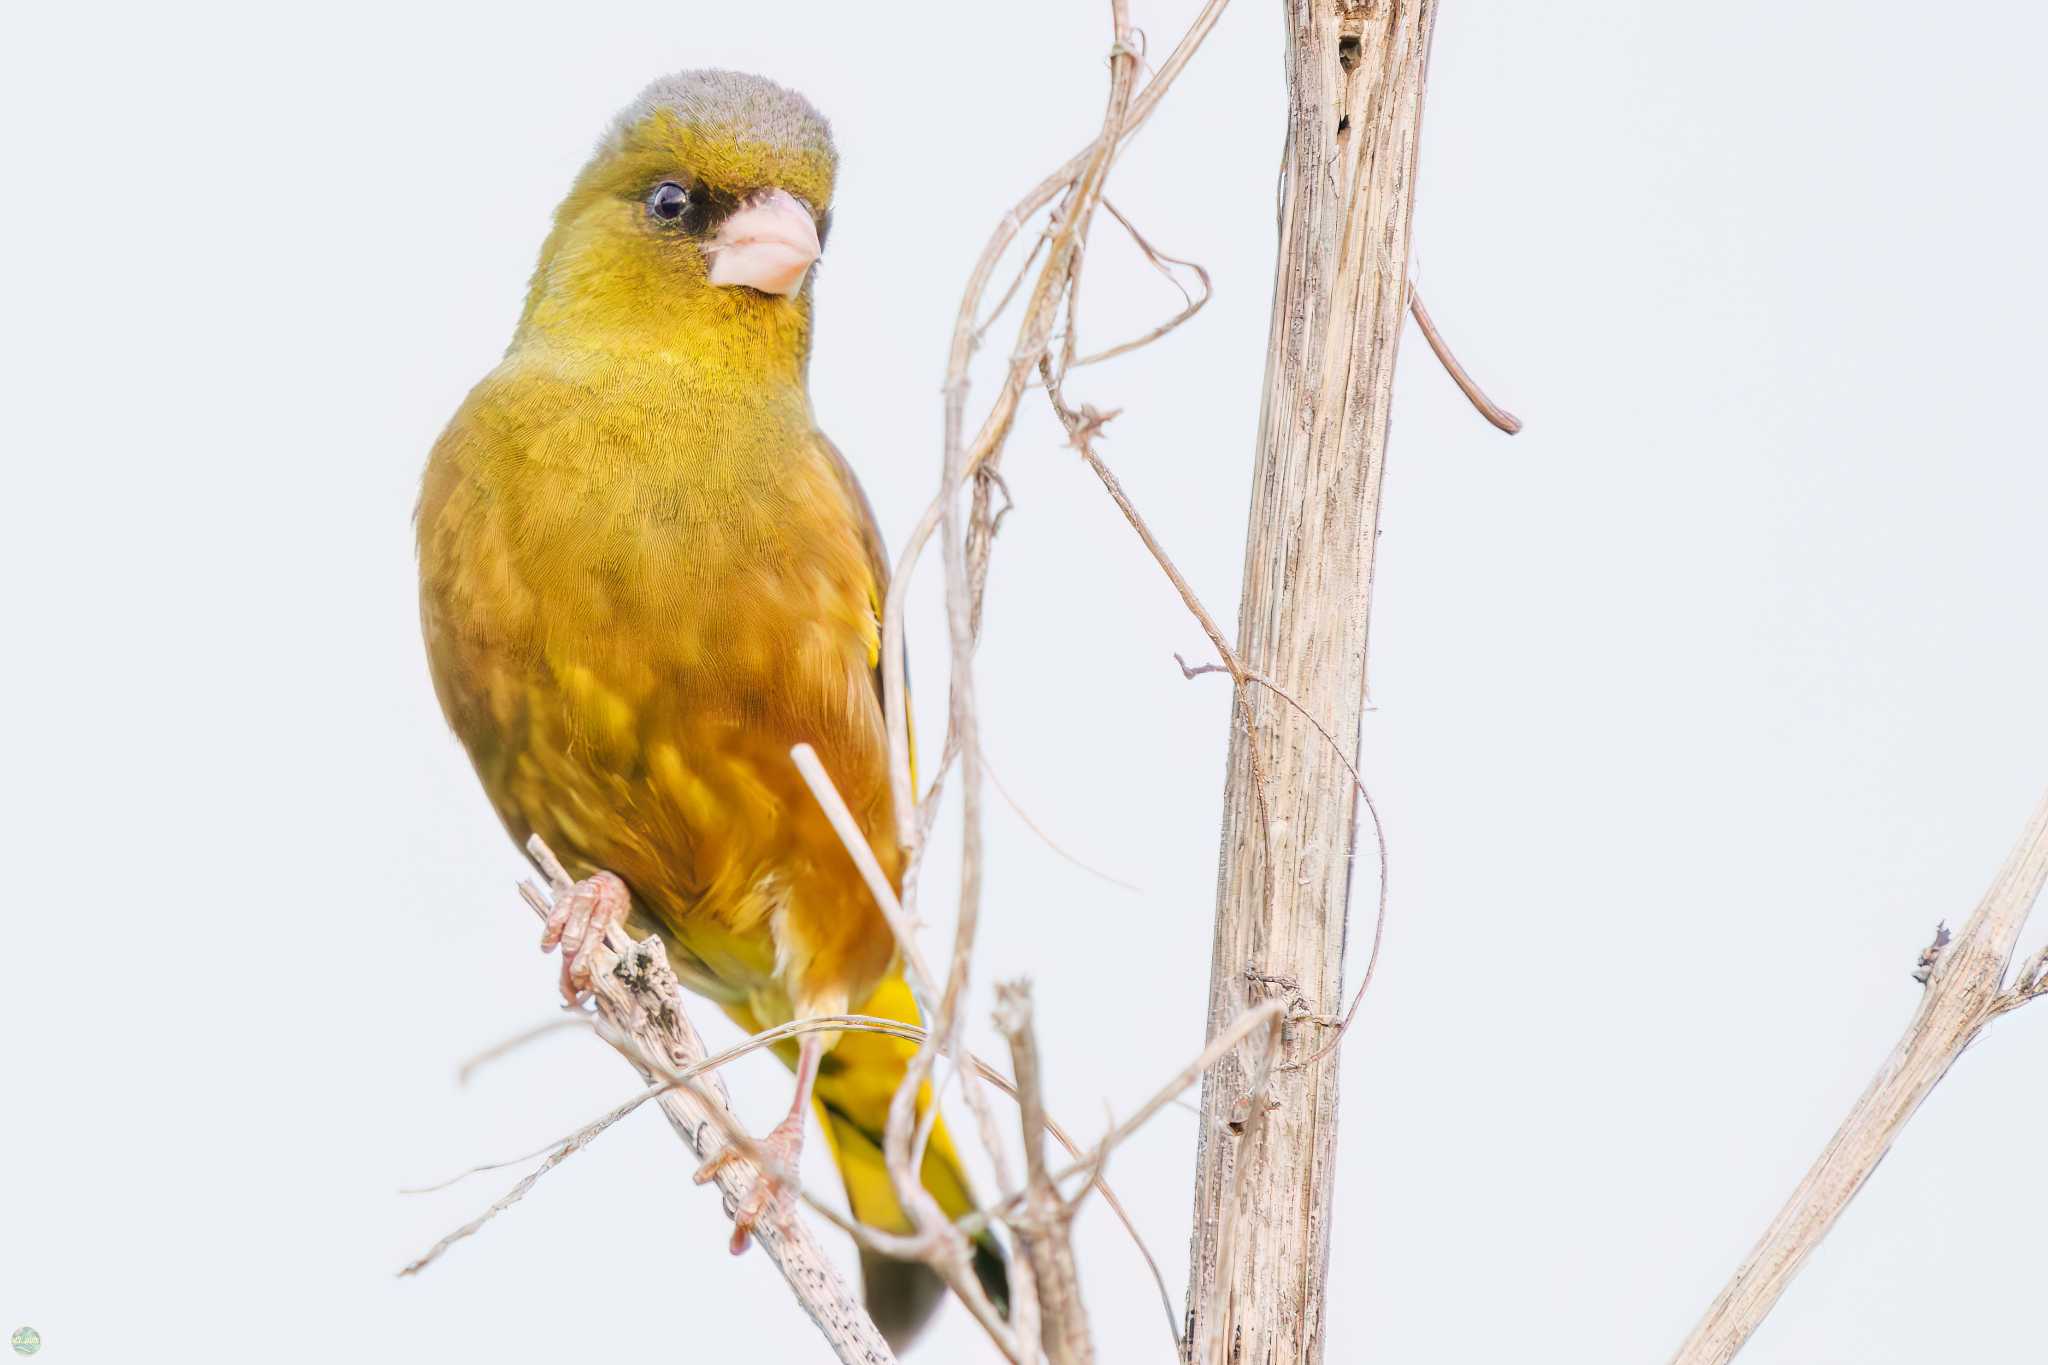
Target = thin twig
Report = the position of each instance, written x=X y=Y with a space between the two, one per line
x=1242 y=675
x=826 y=793
x=1160 y=261
x=1017 y=282
x=895 y=692
x=1490 y=410
x=1219 y=1047
x=1098 y=1183
x=2030 y=984
x=518 y=1040
x=905 y=1139
x=835 y=1023
x=965 y=550
x=1114 y=487
x=569 y=1146
x=828 y=797
x=1047 y=839
x=562 y=1147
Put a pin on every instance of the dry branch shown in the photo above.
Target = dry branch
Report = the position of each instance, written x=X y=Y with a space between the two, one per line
x=965 y=544
x=1265 y=1175
x=1045 y=1227
x=640 y=1003
x=1467 y=385
x=1963 y=995
x=970 y=466
x=1034 y=1119
x=967 y=335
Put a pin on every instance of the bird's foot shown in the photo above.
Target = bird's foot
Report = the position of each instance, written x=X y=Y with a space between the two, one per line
x=772 y=1197
x=582 y=914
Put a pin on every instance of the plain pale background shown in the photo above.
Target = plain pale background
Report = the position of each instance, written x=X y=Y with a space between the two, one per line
x=1697 y=704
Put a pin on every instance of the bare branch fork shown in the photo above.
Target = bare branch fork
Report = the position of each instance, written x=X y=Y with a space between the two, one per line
x=1044 y=1227
x=1965 y=991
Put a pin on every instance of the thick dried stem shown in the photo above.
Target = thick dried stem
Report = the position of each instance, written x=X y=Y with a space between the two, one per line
x=1264 y=1190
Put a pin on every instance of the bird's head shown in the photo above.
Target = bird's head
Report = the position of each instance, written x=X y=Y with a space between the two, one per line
x=695 y=224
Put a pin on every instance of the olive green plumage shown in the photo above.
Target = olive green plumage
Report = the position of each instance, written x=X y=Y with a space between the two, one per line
x=645 y=575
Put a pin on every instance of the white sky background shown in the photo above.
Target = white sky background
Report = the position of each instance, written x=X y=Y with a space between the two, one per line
x=1698 y=703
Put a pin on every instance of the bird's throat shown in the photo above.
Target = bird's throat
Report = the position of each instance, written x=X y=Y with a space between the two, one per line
x=726 y=340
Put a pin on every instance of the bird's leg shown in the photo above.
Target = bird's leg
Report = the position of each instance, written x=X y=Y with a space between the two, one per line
x=582 y=914
x=783 y=1146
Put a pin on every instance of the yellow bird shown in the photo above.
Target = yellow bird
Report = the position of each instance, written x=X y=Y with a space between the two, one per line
x=645 y=575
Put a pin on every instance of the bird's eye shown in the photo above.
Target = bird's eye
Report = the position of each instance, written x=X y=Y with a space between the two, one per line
x=668 y=202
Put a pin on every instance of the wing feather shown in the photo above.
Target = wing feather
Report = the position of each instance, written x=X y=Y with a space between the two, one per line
x=878 y=580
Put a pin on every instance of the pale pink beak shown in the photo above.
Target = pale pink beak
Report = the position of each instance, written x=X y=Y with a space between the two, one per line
x=767 y=244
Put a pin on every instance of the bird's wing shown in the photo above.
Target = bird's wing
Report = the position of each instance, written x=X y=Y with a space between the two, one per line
x=878 y=583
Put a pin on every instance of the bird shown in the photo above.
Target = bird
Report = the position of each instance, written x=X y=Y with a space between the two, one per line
x=645 y=575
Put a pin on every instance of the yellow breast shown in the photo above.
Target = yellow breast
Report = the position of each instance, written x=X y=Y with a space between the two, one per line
x=637 y=596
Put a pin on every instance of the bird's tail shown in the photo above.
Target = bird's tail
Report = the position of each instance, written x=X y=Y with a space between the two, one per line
x=856 y=1081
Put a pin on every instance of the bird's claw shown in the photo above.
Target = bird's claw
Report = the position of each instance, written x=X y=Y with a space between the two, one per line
x=771 y=1197
x=582 y=914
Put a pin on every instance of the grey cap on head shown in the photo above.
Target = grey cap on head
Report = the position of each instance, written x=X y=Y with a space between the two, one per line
x=753 y=105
